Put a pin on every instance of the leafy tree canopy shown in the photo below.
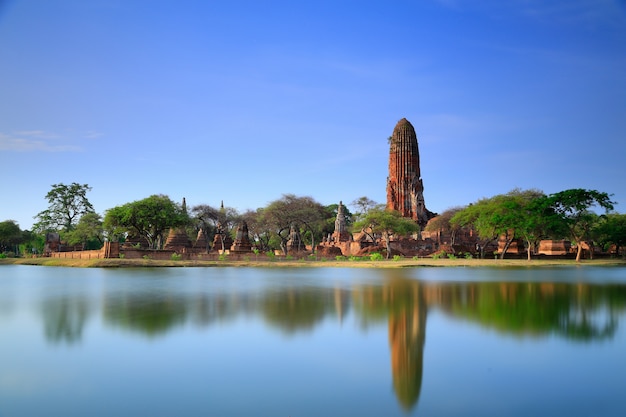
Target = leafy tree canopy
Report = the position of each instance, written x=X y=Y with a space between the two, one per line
x=303 y=213
x=573 y=207
x=10 y=235
x=88 y=232
x=67 y=204
x=148 y=218
x=612 y=230
x=386 y=223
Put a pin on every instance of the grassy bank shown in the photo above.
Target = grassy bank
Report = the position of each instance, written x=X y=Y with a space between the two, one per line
x=405 y=263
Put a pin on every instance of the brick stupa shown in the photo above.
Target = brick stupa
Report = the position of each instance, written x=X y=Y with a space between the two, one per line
x=405 y=190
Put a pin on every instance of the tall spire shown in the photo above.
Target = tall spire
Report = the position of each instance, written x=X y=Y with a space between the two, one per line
x=404 y=183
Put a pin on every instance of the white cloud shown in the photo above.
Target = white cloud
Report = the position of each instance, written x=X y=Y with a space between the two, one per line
x=92 y=134
x=35 y=141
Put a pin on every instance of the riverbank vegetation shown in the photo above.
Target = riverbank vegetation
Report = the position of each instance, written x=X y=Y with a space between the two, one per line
x=526 y=216
x=307 y=263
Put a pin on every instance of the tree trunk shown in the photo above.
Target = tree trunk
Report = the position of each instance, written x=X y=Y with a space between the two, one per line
x=506 y=247
x=387 y=244
x=579 y=251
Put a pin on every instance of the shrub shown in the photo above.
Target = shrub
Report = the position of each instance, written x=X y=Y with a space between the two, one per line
x=146 y=257
x=122 y=255
x=289 y=258
x=313 y=257
x=3 y=255
x=376 y=256
x=451 y=256
x=176 y=257
x=397 y=257
x=340 y=258
x=416 y=258
x=270 y=254
x=438 y=255
x=223 y=256
x=468 y=256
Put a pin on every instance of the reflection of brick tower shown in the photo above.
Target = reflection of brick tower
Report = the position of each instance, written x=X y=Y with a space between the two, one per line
x=404 y=184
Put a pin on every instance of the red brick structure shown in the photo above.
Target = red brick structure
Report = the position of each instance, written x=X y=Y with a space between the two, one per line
x=404 y=183
x=242 y=239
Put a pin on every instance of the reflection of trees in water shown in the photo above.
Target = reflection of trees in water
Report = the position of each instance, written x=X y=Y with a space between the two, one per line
x=64 y=318
x=145 y=312
x=575 y=311
x=296 y=308
x=290 y=309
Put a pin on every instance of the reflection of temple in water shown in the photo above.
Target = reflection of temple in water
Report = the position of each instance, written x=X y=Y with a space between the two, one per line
x=407 y=331
x=579 y=312
x=405 y=306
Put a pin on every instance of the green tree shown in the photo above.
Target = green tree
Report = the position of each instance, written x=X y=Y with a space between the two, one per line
x=502 y=215
x=259 y=230
x=535 y=220
x=612 y=230
x=302 y=213
x=441 y=223
x=10 y=236
x=479 y=216
x=212 y=220
x=573 y=208
x=89 y=232
x=149 y=218
x=362 y=205
x=67 y=204
x=386 y=223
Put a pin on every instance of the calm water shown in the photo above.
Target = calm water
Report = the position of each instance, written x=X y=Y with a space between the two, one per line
x=312 y=342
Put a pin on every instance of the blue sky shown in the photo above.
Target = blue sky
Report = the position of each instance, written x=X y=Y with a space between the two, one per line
x=243 y=101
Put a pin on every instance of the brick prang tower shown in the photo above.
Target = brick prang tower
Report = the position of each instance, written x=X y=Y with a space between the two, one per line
x=405 y=190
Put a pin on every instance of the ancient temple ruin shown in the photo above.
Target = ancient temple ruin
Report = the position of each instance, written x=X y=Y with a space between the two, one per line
x=242 y=239
x=405 y=190
x=177 y=238
x=341 y=233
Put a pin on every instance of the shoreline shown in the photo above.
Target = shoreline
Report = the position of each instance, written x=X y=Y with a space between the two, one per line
x=404 y=263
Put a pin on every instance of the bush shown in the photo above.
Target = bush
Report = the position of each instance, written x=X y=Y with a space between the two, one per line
x=451 y=256
x=468 y=256
x=397 y=257
x=376 y=256
x=289 y=258
x=416 y=258
x=340 y=258
x=223 y=257
x=176 y=257
x=122 y=255
x=3 y=255
x=146 y=257
x=438 y=255
x=270 y=254
x=313 y=257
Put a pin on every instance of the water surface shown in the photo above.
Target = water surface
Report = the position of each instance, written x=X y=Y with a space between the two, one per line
x=310 y=342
